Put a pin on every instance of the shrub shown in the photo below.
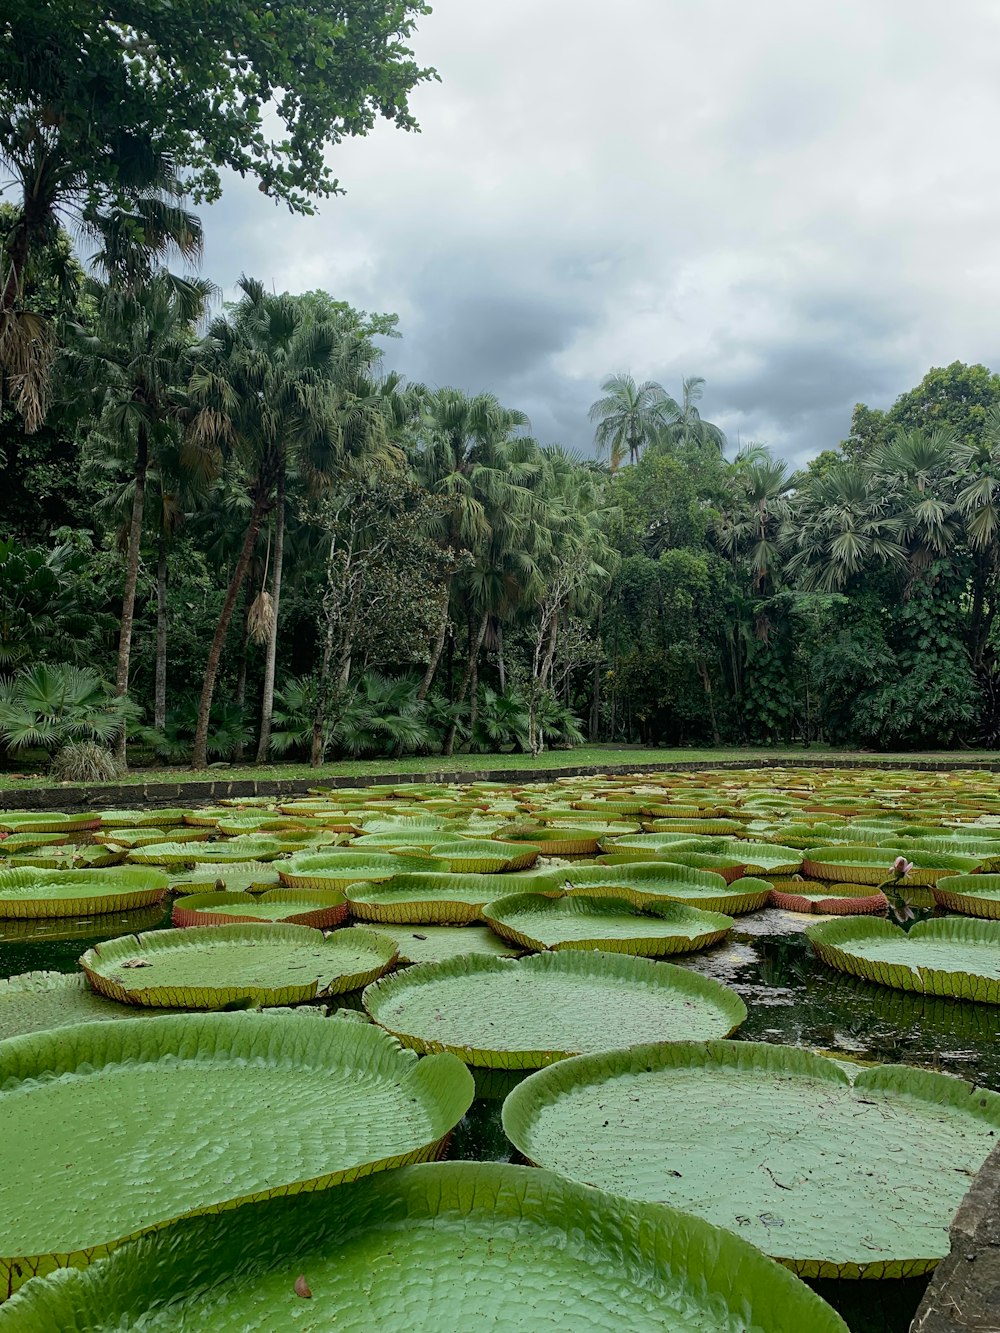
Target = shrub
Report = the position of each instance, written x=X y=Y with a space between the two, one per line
x=85 y=761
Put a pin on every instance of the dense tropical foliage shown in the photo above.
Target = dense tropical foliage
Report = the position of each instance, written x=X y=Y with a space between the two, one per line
x=226 y=532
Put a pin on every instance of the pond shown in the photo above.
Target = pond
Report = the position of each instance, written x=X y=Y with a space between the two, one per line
x=792 y=999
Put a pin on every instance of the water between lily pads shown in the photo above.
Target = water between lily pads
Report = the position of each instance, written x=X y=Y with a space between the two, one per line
x=792 y=999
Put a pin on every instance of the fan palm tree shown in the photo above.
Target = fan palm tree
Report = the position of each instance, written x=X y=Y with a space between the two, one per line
x=842 y=525
x=630 y=416
x=915 y=468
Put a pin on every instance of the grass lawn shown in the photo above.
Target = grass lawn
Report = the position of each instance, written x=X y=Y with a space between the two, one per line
x=584 y=756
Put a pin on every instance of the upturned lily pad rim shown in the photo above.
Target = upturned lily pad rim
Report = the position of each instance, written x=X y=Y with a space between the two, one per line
x=547 y=1086
x=320 y=908
x=595 y=963
x=670 y=1248
x=293 y=1040
x=973 y=895
x=833 y=939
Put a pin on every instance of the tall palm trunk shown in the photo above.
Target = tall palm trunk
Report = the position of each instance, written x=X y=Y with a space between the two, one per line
x=267 y=702
x=470 y=667
x=199 y=755
x=160 y=679
x=131 y=576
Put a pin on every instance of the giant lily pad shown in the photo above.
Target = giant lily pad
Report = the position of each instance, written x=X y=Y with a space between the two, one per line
x=37 y=1001
x=582 y=1260
x=648 y=882
x=828 y=899
x=44 y=821
x=972 y=895
x=775 y=1143
x=244 y=1106
x=231 y=877
x=184 y=853
x=499 y=1013
x=338 y=870
x=35 y=893
x=535 y=921
x=211 y=966
x=323 y=908
x=438 y=897
x=486 y=856
x=873 y=865
x=959 y=957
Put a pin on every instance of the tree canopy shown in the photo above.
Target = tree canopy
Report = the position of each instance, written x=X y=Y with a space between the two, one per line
x=259 y=89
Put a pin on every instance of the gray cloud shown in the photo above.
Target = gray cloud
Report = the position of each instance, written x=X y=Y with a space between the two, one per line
x=797 y=202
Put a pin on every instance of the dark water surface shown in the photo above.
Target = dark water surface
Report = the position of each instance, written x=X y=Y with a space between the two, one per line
x=792 y=999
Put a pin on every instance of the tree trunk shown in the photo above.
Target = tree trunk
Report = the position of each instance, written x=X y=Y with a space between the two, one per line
x=267 y=702
x=243 y=655
x=131 y=577
x=435 y=660
x=323 y=684
x=199 y=756
x=706 y=681
x=449 y=741
x=501 y=661
x=595 y=696
x=160 y=683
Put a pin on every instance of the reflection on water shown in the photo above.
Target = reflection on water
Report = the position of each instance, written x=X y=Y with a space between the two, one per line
x=55 y=943
x=792 y=999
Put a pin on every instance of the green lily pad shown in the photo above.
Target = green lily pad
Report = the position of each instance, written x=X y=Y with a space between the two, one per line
x=523 y=1014
x=485 y=856
x=534 y=921
x=433 y=897
x=19 y=842
x=833 y=1178
x=38 y=893
x=972 y=895
x=37 y=1001
x=46 y=821
x=211 y=966
x=243 y=1105
x=582 y=1260
x=873 y=865
x=954 y=956
x=206 y=853
x=436 y=944
x=322 y=908
x=230 y=877
x=339 y=870
x=648 y=882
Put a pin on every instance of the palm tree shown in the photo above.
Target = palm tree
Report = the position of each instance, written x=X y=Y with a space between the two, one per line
x=280 y=390
x=139 y=220
x=752 y=527
x=135 y=359
x=842 y=525
x=630 y=416
x=976 y=488
x=688 y=426
x=471 y=454
x=915 y=468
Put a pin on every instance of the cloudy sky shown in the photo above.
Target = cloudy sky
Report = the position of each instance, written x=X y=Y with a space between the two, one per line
x=798 y=201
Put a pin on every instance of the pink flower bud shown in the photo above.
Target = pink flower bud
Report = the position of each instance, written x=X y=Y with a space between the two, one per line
x=901 y=866
x=302 y=1288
